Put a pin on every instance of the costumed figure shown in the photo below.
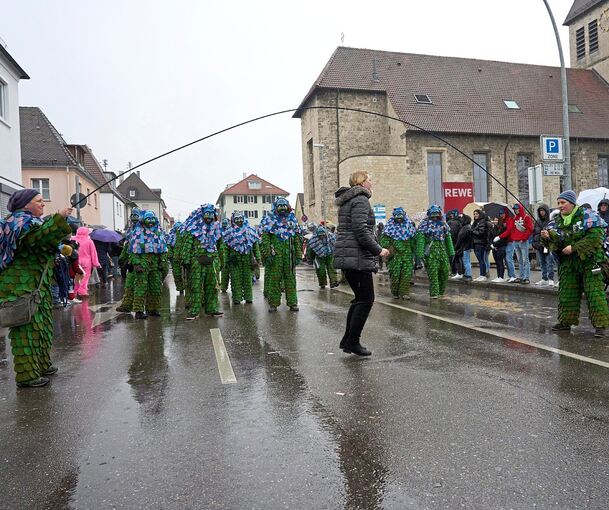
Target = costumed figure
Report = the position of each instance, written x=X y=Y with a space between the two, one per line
x=577 y=237
x=201 y=253
x=127 y=302
x=225 y=224
x=147 y=250
x=281 y=253
x=27 y=252
x=321 y=246
x=242 y=255
x=398 y=238
x=434 y=244
x=176 y=267
x=87 y=256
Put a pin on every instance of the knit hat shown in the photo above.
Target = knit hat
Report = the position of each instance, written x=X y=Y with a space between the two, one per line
x=569 y=196
x=21 y=198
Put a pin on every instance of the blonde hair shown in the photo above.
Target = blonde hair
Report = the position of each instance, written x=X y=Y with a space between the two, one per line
x=358 y=177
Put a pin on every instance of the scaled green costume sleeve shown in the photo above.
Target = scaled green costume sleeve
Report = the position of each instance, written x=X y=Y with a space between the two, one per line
x=450 y=249
x=31 y=343
x=257 y=254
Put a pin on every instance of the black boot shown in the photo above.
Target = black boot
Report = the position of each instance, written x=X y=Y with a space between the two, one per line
x=358 y=349
x=344 y=345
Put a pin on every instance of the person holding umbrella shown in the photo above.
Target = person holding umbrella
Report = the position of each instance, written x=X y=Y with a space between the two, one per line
x=103 y=240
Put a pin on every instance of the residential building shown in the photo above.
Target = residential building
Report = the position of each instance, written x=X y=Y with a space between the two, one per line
x=10 y=147
x=252 y=195
x=48 y=165
x=113 y=205
x=588 y=22
x=494 y=112
x=138 y=192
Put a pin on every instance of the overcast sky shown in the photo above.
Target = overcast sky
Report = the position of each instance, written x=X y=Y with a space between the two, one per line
x=134 y=78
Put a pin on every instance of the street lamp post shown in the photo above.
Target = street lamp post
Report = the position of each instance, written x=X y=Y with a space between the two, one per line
x=568 y=181
x=322 y=190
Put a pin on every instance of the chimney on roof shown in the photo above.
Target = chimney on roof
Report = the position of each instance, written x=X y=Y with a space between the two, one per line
x=375 y=73
x=244 y=175
x=137 y=173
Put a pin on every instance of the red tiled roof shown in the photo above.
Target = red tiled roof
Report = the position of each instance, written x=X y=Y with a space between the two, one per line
x=242 y=188
x=468 y=94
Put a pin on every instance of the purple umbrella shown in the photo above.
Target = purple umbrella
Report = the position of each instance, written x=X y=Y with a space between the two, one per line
x=106 y=236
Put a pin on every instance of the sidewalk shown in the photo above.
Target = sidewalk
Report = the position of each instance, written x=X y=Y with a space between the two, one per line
x=421 y=276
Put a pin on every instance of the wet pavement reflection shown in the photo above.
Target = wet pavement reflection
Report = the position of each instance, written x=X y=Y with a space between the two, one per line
x=440 y=416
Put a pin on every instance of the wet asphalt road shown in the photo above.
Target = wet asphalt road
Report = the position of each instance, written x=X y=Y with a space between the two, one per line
x=441 y=416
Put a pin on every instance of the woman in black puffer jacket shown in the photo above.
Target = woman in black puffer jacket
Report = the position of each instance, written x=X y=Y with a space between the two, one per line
x=356 y=253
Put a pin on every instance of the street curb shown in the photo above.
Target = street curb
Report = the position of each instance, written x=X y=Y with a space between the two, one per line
x=510 y=287
x=500 y=287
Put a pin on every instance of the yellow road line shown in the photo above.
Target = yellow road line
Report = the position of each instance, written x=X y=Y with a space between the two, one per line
x=227 y=376
x=490 y=332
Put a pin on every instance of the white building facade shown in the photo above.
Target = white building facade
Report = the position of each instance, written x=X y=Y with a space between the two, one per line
x=10 y=146
x=253 y=196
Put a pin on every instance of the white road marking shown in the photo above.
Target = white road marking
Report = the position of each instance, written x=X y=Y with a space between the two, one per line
x=490 y=332
x=227 y=376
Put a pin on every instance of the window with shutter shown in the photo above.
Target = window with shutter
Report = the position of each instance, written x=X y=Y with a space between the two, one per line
x=580 y=43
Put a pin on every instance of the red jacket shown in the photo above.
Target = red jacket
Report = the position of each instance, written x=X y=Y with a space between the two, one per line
x=512 y=233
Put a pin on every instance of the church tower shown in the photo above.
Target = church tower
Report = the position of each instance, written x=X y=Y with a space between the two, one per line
x=588 y=22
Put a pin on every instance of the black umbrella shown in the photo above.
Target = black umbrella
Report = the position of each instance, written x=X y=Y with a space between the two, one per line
x=494 y=209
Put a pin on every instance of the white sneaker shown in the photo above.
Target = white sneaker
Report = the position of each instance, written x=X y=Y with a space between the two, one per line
x=498 y=280
x=457 y=277
x=481 y=279
x=512 y=280
x=551 y=283
x=556 y=283
x=541 y=283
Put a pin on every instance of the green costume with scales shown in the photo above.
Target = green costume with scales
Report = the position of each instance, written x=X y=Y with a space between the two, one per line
x=127 y=301
x=241 y=243
x=584 y=231
x=281 y=249
x=35 y=248
x=435 y=246
x=202 y=252
x=147 y=255
x=398 y=238
x=321 y=247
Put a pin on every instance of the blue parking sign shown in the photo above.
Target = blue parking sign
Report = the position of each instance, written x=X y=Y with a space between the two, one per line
x=551 y=148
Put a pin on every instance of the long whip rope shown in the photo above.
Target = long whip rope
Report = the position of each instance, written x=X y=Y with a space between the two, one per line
x=303 y=108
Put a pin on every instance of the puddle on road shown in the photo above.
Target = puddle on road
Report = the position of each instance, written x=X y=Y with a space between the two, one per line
x=502 y=306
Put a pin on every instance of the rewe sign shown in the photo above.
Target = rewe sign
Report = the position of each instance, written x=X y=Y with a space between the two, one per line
x=457 y=195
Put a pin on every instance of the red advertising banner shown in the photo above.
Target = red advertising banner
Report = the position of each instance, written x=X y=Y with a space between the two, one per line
x=457 y=195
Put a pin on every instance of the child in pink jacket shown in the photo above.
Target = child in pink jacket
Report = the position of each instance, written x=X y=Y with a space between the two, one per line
x=87 y=257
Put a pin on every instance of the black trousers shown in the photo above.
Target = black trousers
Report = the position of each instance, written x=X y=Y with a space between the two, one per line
x=499 y=256
x=363 y=288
